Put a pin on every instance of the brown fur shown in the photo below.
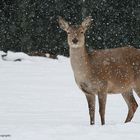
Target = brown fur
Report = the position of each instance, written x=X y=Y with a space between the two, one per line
x=103 y=72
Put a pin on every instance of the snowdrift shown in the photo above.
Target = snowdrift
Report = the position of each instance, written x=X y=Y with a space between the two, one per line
x=40 y=100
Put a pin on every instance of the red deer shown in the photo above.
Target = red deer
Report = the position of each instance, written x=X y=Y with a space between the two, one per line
x=103 y=71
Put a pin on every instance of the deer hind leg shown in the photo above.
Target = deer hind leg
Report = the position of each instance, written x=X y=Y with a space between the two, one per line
x=102 y=105
x=132 y=105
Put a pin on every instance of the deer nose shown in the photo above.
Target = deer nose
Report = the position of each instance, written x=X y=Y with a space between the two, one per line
x=75 y=40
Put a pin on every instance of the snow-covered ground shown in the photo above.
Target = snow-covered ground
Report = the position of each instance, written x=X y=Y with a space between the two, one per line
x=39 y=100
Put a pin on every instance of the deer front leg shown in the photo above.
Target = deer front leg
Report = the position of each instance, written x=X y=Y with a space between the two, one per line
x=102 y=104
x=132 y=105
x=91 y=105
x=91 y=102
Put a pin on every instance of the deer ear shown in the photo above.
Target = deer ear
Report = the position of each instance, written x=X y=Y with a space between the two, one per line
x=63 y=24
x=87 y=22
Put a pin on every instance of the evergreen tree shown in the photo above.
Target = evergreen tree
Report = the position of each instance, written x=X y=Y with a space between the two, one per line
x=116 y=23
x=32 y=25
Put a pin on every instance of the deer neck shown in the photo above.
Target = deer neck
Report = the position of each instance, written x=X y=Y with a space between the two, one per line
x=80 y=61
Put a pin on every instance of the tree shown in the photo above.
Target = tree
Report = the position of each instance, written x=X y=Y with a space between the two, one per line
x=116 y=23
x=32 y=25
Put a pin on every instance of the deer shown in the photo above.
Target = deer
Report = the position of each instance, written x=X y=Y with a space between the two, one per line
x=102 y=72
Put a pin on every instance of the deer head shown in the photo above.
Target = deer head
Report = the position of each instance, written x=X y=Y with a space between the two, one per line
x=75 y=33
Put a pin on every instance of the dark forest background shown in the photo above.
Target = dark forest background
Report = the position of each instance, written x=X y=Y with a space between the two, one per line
x=31 y=25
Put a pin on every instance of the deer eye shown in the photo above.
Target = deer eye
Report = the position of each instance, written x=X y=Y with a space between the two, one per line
x=82 y=32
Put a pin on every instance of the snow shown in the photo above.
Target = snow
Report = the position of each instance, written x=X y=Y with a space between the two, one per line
x=11 y=56
x=40 y=100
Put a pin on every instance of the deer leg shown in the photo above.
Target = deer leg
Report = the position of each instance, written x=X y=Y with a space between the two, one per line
x=91 y=102
x=132 y=105
x=102 y=104
x=91 y=105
